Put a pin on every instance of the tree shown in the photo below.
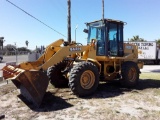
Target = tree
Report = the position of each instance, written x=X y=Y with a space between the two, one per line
x=137 y=38
x=10 y=47
x=23 y=49
x=27 y=43
x=158 y=42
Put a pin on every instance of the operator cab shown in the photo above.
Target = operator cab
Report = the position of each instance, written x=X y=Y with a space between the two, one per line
x=108 y=35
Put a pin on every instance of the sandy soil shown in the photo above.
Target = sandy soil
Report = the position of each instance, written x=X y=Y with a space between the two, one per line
x=110 y=101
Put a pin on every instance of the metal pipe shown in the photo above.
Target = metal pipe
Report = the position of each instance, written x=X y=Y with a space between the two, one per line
x=75 y=32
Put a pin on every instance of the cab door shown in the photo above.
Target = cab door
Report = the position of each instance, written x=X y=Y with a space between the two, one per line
x=101 y=41
x=115 y=39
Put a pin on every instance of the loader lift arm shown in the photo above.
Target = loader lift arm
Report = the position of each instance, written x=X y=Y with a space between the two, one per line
x=30 y=77
x=53 y=54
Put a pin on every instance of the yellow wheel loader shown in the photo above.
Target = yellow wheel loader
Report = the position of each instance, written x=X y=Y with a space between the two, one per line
x=81 y=67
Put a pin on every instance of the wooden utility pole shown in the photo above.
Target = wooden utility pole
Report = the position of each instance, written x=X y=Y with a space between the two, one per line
x=69 y=21
x=103 y=10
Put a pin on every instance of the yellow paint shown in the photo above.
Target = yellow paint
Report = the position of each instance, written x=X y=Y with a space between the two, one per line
x=56 y=52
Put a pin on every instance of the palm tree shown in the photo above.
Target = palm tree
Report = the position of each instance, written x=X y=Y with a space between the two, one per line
x=158 y=42
x=137 y=38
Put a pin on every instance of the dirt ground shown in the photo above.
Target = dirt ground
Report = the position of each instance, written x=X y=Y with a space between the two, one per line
x=110 y=101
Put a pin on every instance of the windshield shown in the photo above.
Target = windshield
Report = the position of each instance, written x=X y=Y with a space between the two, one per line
x=96 y=31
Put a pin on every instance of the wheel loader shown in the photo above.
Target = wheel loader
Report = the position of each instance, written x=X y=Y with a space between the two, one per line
x=81 y=67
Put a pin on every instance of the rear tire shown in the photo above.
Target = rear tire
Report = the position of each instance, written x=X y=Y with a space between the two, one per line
x=84 y=79
x=55 y=75
x=130 y=74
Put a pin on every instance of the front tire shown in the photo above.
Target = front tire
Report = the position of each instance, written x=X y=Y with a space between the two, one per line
x=130 y=74
x=84 y=79
x=55 y=75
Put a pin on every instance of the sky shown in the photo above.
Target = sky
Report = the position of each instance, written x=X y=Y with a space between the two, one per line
x=142 y=17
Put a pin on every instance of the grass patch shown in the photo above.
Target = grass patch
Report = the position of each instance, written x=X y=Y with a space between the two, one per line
x=149 y=80
x=155 y=76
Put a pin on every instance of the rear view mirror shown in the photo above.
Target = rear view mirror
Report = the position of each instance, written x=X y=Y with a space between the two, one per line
x=85 y=30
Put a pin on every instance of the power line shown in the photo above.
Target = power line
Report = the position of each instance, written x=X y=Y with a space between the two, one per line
x=35 y=18
x=59 y=4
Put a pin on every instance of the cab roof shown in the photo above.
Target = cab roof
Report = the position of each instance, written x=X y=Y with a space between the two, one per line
x=107 y=20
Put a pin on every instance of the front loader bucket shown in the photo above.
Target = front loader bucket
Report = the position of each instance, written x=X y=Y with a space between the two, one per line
x=32 y=83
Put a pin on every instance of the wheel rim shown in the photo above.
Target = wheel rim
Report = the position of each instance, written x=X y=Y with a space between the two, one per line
x=132 y=74
x=87 y=79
